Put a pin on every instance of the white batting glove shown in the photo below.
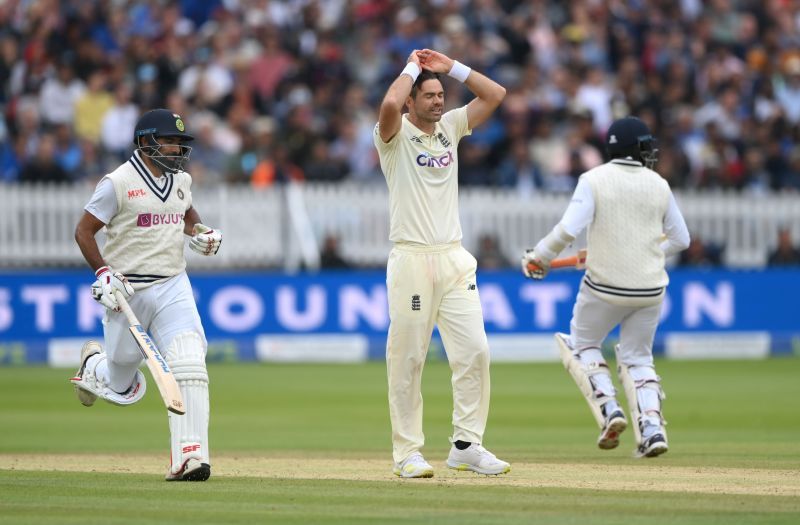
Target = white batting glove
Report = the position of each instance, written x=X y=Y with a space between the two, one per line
x=533 y=266
x=205 y=241
x=107 y=281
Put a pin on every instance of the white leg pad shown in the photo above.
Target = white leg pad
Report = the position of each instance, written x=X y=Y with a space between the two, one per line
x=90 y=382
x=643 y=390
x=189 y=432
x=591 y=373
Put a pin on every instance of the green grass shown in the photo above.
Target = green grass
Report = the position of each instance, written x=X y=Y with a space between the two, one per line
x=721 y=414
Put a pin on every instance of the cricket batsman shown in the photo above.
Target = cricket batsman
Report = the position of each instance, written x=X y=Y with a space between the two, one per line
x=633 y=224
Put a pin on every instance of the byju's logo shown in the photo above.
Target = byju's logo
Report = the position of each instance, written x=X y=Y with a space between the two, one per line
x=426 y=159
x=145 y=220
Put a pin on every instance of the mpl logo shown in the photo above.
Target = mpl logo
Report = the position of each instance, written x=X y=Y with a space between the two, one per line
x=144 y=220
x=132 y=194
x=425 y=159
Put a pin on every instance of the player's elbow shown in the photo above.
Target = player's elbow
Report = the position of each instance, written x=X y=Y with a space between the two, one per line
x=497 y=95
x=392 y=103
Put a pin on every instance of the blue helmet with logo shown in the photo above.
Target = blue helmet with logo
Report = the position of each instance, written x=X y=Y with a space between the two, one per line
x=156 y=124
x=630 y=137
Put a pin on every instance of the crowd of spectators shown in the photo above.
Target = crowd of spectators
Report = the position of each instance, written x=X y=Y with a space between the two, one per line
x=280 y=90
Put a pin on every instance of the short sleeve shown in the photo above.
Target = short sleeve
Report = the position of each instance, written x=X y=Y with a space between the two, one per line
x=457 y=122
x=103 y=203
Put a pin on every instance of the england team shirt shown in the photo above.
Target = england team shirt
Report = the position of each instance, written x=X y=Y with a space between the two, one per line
x=421 y=172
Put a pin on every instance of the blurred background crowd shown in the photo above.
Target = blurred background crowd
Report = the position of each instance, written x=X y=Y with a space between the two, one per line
x=278 y=90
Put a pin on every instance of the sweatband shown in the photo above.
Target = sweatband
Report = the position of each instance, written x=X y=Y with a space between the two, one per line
x=412 y=70
x=459 y=71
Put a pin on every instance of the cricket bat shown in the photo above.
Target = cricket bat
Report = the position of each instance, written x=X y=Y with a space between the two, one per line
x=159 y=369
x=577 y=261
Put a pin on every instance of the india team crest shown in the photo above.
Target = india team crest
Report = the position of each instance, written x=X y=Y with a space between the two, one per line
x=179 y=124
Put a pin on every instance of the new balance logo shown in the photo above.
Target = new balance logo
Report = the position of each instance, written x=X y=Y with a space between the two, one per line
x=416 y=139
x=471 y=286
x=415 y=304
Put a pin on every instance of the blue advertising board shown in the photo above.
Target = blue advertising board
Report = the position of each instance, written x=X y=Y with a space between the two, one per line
x=244 y=314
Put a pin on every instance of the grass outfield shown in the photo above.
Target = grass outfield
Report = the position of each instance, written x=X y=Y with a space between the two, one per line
x=310 y=444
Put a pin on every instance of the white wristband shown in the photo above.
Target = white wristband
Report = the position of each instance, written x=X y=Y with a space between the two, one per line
x=459 y=71
x=412 y=70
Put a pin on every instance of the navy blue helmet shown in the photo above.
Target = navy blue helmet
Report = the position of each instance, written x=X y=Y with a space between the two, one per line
x=158 y=123
x=630 y=137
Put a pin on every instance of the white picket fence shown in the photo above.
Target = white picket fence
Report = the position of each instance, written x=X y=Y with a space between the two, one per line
x=274 y=227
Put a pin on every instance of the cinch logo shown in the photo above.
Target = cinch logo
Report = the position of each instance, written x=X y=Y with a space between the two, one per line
x=190 y=448
x=132 y=194
x=145 y=220
x=435 y=162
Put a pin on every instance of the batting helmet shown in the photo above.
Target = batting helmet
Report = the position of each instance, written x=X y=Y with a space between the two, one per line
x=630 y=137
x=158 y=123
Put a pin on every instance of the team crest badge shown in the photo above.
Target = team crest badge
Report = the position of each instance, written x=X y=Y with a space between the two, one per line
x=179 y=124
x=180 y=194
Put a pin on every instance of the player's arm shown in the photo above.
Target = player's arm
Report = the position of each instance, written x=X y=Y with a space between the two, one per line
x=489 y=94
x=85 y=232
x=675 y=230
x=577 y=217
x=390 y=114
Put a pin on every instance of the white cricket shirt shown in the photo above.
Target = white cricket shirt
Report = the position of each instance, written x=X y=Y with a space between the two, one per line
x=421 y=171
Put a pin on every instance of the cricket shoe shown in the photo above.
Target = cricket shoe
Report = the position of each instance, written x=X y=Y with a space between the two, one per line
x=86 y=397
x=414 y=466
x=193 y=470
x=652 y=446
x=615 y=425
x=477 y=459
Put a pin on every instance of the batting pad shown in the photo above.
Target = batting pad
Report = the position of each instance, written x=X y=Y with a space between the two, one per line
x=593 y=378
x=643 y=390
x=91 y=382
x=189 y=432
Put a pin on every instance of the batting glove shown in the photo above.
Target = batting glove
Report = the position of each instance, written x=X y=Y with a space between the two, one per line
x=205 y=241
x=533 y=266
x=107 y=281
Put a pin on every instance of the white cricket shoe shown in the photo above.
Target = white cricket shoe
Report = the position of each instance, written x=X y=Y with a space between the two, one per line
x=615 y=425
x=86 y=397
x=414 y=466
x=193 y=470
x=477 y=459
x=654 y=442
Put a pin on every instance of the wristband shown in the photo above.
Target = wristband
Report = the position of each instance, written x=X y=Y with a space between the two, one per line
x=412 y=70
x=459 y=71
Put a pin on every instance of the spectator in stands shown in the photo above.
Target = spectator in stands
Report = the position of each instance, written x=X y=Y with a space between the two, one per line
x=92 y=106
x=700 y=254
x=785 y=254
x=330 y=258
x=489 y=255
x=60 y=93
x=42 y=167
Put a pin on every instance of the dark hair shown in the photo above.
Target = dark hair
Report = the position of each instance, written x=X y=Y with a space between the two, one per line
x=425 y=75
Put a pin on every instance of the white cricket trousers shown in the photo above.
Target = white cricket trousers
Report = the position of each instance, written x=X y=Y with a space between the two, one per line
x=593 y=318
x=165 y=310
x=427 y=286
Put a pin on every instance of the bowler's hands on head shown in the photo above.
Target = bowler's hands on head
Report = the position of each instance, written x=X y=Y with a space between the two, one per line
x=414 y=57
x=435 y=61
x=533 y=266
x=107 y=281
